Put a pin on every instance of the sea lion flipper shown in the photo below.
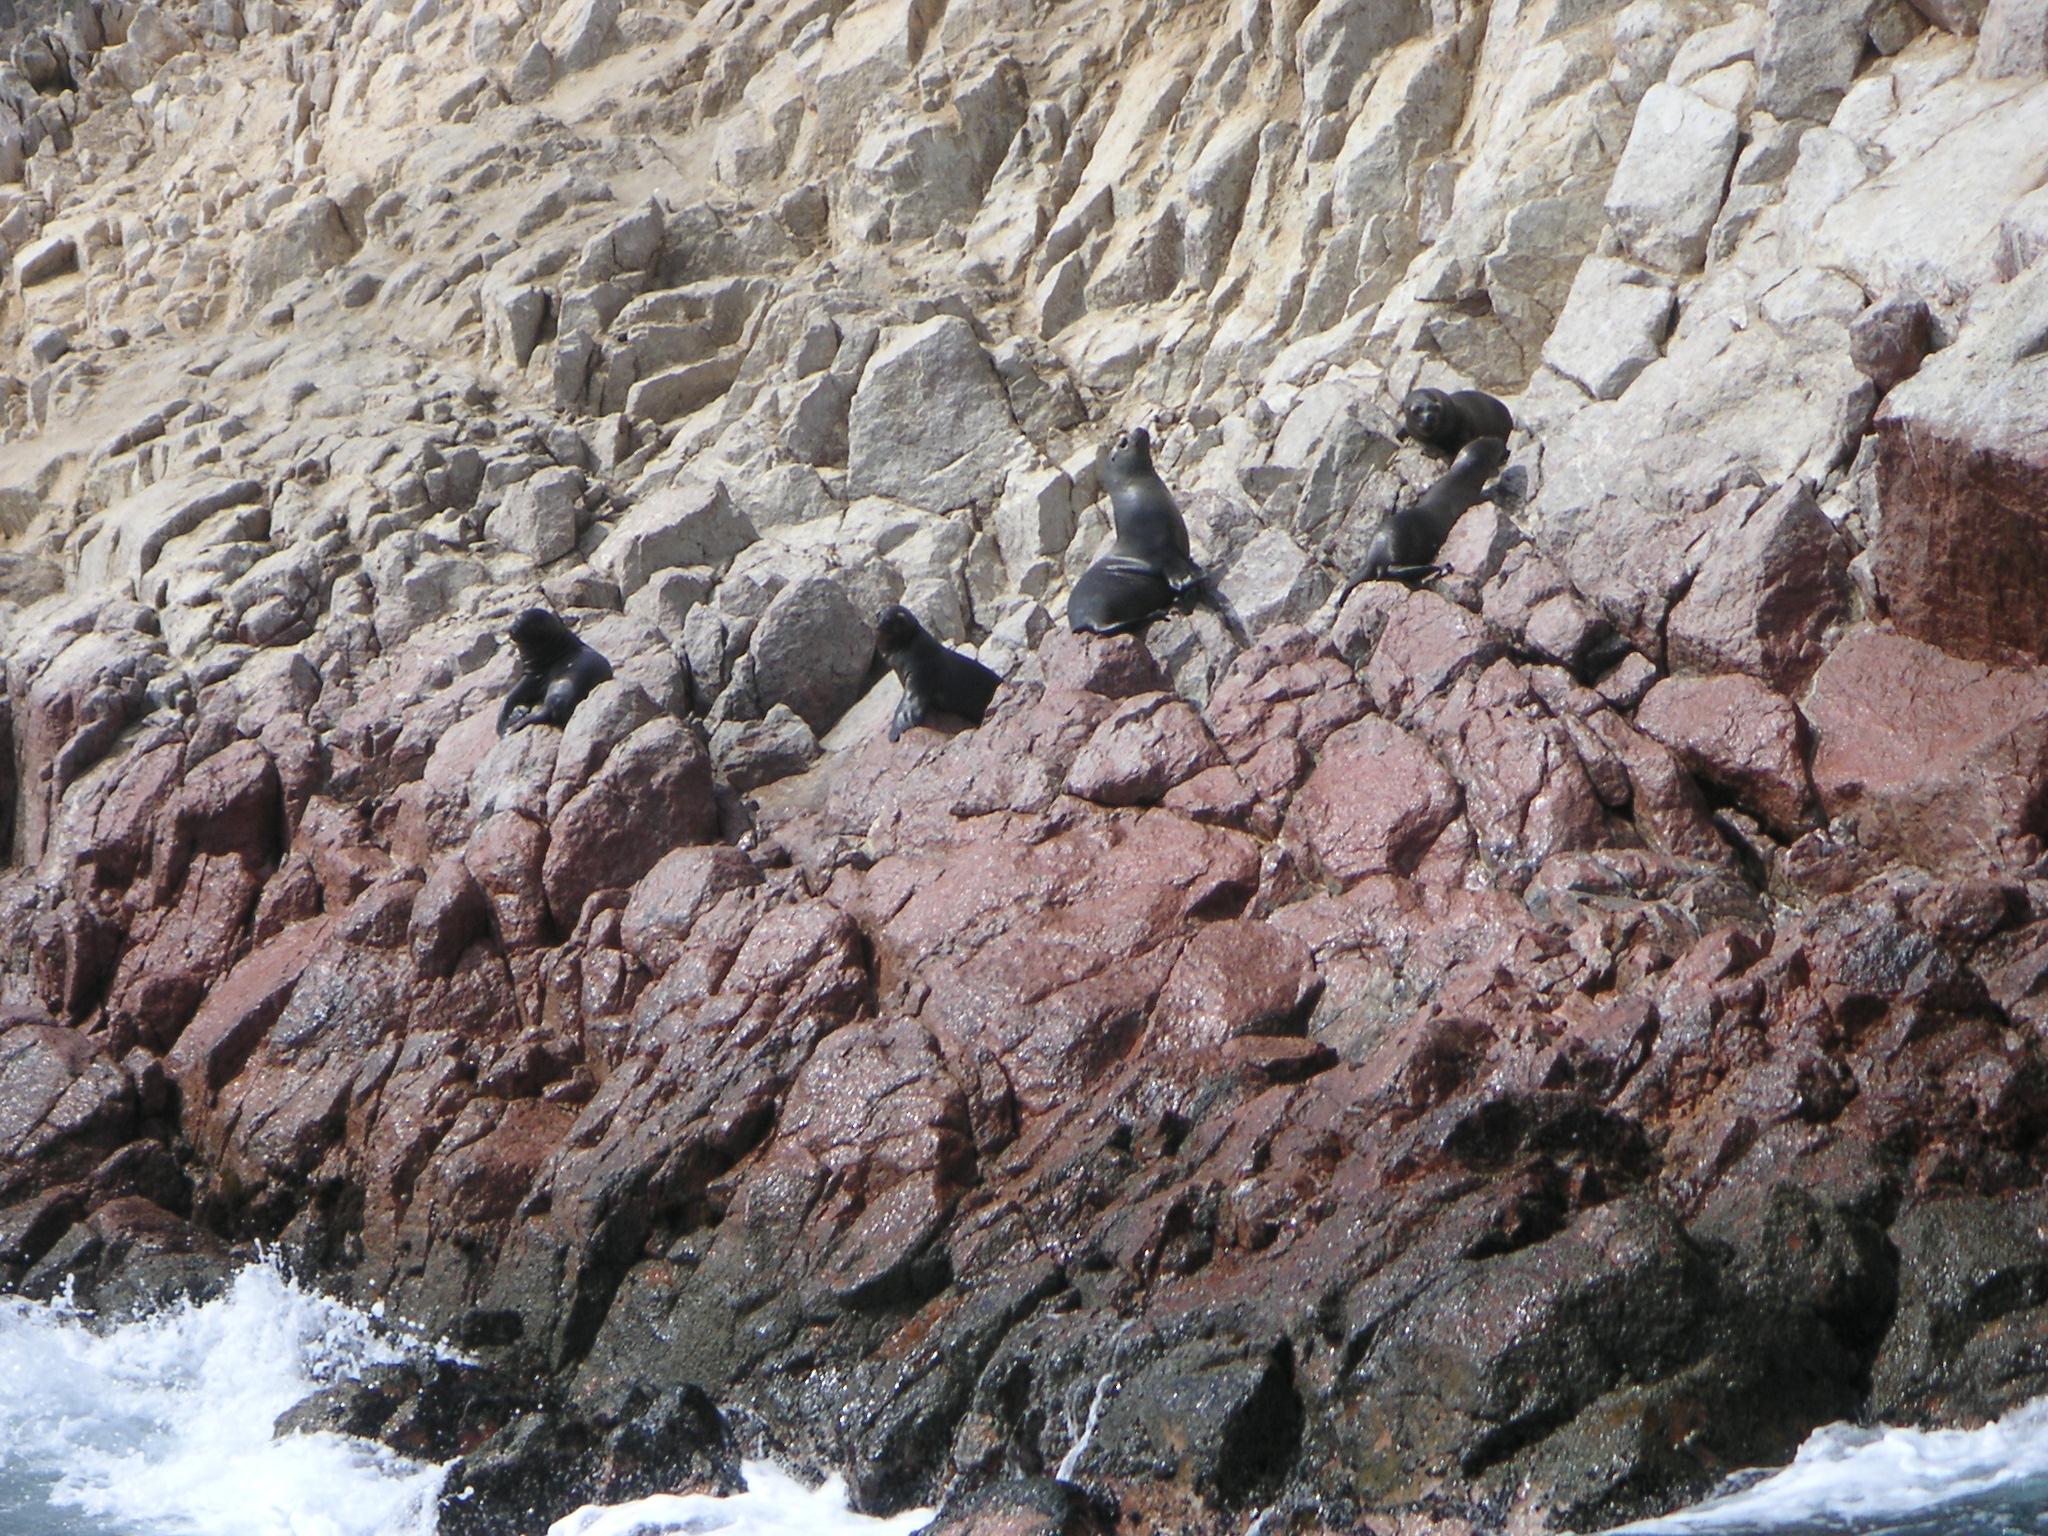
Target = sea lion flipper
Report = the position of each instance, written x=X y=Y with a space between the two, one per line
x=517 y=708
x=909 y=714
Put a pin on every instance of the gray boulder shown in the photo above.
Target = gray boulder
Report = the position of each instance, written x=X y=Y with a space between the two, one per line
x=930 y=423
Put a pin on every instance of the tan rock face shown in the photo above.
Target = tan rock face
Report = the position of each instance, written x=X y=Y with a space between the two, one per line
x=1302 y=1017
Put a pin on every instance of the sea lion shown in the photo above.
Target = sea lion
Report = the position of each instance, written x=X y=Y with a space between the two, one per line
x=1148 y=571
x=1149 y=526
x=560 y=672
x=1448 y=422
x=1406 y=548
x=936 y=681
x=1118 y=594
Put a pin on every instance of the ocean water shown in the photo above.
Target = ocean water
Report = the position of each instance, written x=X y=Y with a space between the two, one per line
x=161 y=1427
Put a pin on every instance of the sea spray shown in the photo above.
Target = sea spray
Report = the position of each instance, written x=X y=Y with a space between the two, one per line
x=774 y=1504
x=1848 y=1478
x=163 y=1423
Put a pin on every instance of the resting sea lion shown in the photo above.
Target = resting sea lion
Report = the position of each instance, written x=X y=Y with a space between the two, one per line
x=1448 y=422
x=936 y=681
x=560 y=672
x=1406 y=548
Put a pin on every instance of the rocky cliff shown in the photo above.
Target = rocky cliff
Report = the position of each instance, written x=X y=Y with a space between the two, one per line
x=1514 y=1051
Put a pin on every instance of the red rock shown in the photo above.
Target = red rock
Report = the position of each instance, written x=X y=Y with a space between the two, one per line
x=381 y=917
x=1376 y=802
x=1428 y=644
x=237 y=1013
x=1664 y=801
x=1771 y=587
x=230 y=806
x=1962 y=473
x=1888 y=340
x=67 y=713
x=1113 y=666
x=335 y=841
x=506 y=857
x=450 y=913
x=1277 y=769
x=1218 y=796
x=1941 y=762
x=1277 y=1059
x=1290 y=687
x=60 y=1096
x=107 y=826
x=75 y=949
x=667 y=902
x=1235 y=978
x=653 y=794
x=1147 y=745
x=1526 y=794
x=1736 y=732
x=1362 y=619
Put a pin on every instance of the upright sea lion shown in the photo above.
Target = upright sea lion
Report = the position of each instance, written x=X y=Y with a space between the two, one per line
x=1148 y=571
x=1406 y=548
x=1448 y=422
x=560 y=671
x=1149 y=526
x=936 y=681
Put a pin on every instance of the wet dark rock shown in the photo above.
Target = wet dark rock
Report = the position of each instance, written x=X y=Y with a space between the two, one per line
x=546 y=1463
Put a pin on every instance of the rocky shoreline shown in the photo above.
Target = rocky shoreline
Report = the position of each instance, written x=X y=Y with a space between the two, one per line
x=1503 y=1054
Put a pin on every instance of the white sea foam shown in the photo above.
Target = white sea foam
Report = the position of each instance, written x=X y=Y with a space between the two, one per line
x=163 y=1425
x=775 y=1504
x=1849 y=1476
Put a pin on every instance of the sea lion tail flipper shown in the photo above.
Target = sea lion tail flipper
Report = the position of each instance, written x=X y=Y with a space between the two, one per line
x=1416 y=575
x=1208 y=592
x=1182 y=574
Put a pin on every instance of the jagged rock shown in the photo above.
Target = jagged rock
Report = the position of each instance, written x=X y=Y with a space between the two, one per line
x=1765 y=595
x=1958 y=567
x=305 y=239
x=1612 y=328
x=751 y=753
x=1807 y=55
x=1936 y=758
x=930 y=423
x=2014 y=41
x=689 y=524
x=538 y=517
x=1737 y=733
x=812 y=650
x=1667 y=189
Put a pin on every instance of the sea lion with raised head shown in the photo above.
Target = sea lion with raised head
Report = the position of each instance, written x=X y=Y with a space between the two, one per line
x=1148 y=571
x=1447 y=422
x=558 y=672
x=1149 y=526
x=936 y=681
x=1406 y=548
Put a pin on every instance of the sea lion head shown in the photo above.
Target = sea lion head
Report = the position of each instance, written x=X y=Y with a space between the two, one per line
x=542 y=638
x=895 y=628
x=1425 y=412
x=1131 y=453
x=1482 y=456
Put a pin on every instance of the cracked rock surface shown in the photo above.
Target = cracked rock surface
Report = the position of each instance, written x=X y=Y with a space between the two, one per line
x=1508 y=1051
